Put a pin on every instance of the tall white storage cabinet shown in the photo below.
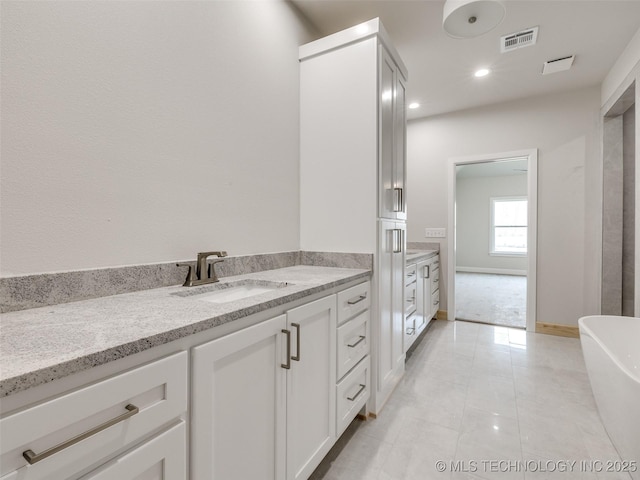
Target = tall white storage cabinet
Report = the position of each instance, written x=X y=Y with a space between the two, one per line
x=352 y=173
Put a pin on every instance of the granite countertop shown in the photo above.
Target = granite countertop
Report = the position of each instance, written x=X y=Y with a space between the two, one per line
x=43 y=344
x=413 y=256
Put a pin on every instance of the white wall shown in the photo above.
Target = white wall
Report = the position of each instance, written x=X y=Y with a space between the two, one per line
x=626 y=62
x=473 y=221
x=141 y=132
x=565 y=129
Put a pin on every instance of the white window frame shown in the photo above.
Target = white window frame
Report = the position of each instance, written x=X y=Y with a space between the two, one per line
x=492 y=226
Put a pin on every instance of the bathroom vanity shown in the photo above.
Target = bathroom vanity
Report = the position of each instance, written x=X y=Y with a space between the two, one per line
x=422 y=292
x=175 y=383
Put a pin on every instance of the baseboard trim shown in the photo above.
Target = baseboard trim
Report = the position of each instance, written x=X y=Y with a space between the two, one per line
x=559 y=330
x=494 y=271
x=442 y=315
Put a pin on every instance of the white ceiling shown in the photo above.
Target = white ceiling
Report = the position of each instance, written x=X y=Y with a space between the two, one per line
x=441 y=68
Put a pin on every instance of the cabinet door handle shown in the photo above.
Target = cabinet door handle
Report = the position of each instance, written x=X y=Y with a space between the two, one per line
x=358 y=299
x=362 y=387
x=426 y=271
x=288 y=364
x=397 y=204
x=435 y=302
x=353 y=345
x=397 y=240
x=296 y=357
x=411 y=331
x=32 y=457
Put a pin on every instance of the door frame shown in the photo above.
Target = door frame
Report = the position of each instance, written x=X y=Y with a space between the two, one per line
x=532 y=235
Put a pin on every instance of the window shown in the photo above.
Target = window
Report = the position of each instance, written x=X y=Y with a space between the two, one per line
x=509 y=226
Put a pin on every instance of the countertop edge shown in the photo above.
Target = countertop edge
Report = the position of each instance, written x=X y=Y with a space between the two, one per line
x=18 y=383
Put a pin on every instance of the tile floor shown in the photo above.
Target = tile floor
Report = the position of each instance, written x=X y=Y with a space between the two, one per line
x=485 y=394
x=496 y=299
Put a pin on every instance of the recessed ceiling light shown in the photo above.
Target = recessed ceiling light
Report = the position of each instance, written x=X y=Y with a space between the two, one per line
x=483 y=72
x=414 y=105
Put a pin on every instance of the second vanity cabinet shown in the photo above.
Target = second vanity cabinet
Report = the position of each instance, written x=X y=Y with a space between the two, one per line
x=422 y=296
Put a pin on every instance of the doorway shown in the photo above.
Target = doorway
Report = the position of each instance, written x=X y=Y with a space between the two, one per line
x=492 y=245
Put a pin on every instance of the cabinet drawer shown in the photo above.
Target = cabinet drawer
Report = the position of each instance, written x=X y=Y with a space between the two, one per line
x=410 y=273
x=435 y=278
x=410 y=331
x=353 y=342
x=353 y=301
x=435 y=301
x=352 y=393
x=158 y=390
x=162 y=457
x=410 y=299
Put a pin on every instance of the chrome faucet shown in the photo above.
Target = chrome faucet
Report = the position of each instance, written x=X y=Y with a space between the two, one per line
x=204 y=272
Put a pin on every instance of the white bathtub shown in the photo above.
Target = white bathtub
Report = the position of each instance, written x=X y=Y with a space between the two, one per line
x=611 y=348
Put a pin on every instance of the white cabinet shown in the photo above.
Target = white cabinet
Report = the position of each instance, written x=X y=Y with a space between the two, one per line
x=392 y=132
x=424 y=297
x=238 y=404
x=352 y=172
x=353 y=388
x=434 y=280
x=162 y=458
x=74 y=433
x=310 y=386
x=264 y=397
x=390 y=351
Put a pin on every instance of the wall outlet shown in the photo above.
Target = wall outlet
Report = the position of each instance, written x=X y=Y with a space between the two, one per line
x=435 y=232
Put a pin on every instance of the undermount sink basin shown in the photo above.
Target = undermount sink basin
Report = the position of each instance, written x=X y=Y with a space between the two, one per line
x=224 y=292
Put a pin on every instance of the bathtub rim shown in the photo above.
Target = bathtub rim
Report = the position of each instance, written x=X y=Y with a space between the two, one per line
x=586 y=330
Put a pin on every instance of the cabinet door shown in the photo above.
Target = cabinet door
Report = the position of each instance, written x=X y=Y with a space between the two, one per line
x=238 y=405
x=400 y=142
x=161 y=458
x=390 y=321
x=311 y=384
x=388 y=196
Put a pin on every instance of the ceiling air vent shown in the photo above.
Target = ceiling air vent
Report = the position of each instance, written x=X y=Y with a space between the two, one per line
x=558 y=65
x=520 y=39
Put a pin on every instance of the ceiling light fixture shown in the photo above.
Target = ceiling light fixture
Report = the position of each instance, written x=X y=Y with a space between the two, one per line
x=471 y=18
x=483 y=72
x=414 y=105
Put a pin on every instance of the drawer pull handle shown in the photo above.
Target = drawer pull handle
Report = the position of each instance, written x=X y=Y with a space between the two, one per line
x=411 y=274
x=435 y=302
x=358 y=299
x=362 y=387
x=32 y=457
x=288 y=364
x=360 y=340
x=296 y=357
x=413 y=330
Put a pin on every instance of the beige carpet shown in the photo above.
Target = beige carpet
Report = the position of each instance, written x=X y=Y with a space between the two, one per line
x=494 y=299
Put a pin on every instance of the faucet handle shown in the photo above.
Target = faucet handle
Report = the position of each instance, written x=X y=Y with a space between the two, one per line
x=189 y=280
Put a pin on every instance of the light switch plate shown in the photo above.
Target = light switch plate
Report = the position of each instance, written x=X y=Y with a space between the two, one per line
x=435 y=232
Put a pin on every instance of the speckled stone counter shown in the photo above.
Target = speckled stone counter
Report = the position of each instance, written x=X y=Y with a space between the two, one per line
x=414 y=256
x=43 y=344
